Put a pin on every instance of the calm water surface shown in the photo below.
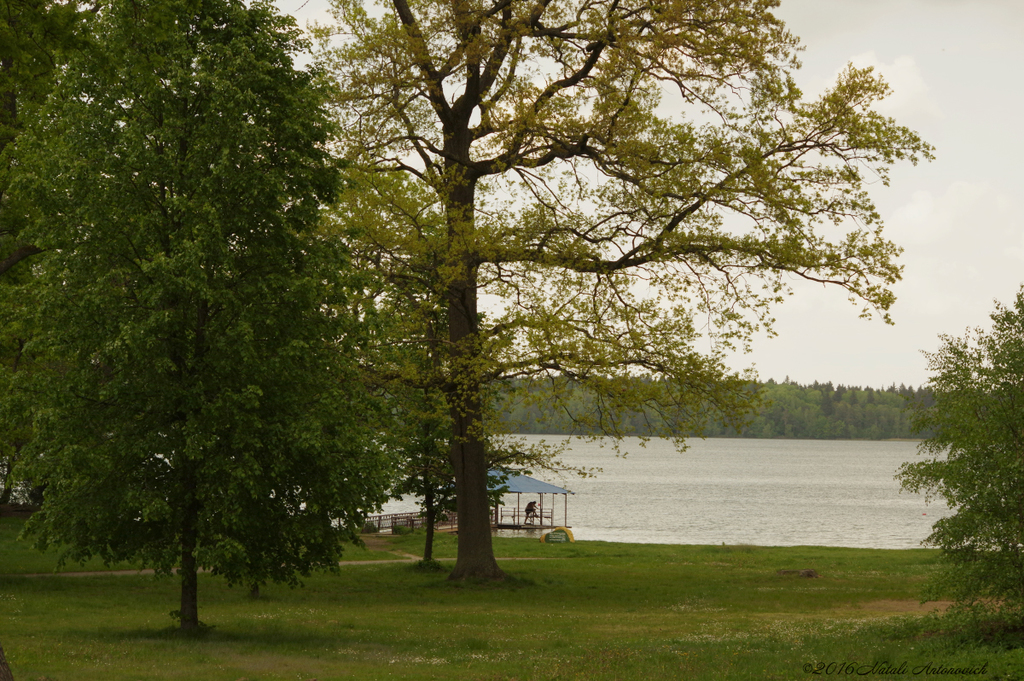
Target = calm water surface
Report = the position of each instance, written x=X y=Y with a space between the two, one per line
x=743 y=491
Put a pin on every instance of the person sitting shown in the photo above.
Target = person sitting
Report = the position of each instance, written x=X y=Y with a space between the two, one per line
x=531 y=511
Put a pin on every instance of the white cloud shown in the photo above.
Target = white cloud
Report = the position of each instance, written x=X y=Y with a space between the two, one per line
x=964 y=246
x=965 y=216
x=963 y=207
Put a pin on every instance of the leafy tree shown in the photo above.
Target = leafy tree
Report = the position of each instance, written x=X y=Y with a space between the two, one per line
x=420 y=435
x=16 y=332
x=205 y=415
x=977 y=462
x=408 y=377
x=828 y=408
x=35 y=36
x=632 y=183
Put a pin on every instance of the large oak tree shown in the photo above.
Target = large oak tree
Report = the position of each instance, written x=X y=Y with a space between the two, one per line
x=631 y=183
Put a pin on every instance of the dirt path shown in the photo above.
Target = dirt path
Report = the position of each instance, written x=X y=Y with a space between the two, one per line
x=378 y=543
x=373 y=544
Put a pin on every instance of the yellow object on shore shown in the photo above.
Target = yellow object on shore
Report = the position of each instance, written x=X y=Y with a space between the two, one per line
x=559 y=535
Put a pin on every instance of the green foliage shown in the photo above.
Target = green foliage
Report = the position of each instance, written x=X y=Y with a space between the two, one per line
x=203 y=412
x=976 y=463
x=420 y=436
x=16 y=331
x=429 y=566
x=785 y=410
x=21 y=557
x=35 y=37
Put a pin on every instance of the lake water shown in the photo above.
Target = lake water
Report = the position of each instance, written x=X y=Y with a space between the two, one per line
x=742 y=491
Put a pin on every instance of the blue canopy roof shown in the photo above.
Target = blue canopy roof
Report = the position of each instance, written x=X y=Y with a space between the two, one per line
x=524 y=484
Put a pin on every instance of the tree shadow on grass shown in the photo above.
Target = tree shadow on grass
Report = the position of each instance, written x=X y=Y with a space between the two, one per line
x=510 y=583
x=268 y=636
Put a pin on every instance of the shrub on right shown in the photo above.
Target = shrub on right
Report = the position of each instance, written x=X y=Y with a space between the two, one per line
x=976 y=464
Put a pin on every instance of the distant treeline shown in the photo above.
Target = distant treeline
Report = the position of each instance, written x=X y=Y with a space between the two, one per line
x=789 y=410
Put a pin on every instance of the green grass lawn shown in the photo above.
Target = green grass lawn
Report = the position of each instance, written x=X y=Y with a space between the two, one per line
x=590 y=610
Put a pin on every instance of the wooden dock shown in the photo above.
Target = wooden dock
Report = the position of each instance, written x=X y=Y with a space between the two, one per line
x=503 y=519
x=445 y=522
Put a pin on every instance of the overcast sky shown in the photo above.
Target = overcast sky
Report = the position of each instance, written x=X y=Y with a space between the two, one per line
x=957 y=71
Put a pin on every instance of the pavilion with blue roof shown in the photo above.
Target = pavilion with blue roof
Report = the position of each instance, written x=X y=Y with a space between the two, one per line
x=515 y=518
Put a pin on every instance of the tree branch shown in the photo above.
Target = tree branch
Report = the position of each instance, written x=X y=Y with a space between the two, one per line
x=435 y=89
x=18 y=255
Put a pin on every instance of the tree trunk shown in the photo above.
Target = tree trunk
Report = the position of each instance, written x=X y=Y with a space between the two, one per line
x=476 y=552
x=475 y=555
x=469 y=461
x=189 y=611
x=428 y=502
x=5 y=671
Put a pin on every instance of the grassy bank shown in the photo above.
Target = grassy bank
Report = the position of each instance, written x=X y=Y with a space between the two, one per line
x=589 y=610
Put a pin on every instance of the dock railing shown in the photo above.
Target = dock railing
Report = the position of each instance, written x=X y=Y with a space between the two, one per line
x=446 y=520
x=511 y=517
